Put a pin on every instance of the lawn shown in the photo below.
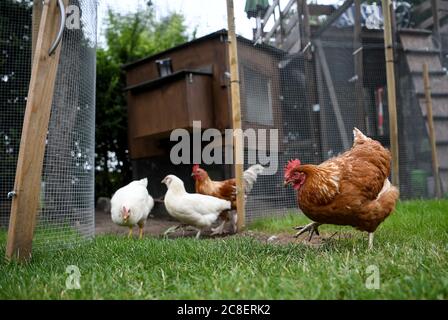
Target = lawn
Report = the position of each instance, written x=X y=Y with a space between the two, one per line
x=410 y=253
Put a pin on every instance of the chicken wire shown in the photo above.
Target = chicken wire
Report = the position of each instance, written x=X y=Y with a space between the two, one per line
x=316 y=94
x=66 y=208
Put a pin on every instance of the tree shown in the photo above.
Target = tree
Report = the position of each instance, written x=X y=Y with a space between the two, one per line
x=128 y=37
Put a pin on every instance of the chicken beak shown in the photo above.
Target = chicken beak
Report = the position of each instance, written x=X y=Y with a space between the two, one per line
x=125 y=215
x=192 y=174
x=286 y=183
x=163 y=181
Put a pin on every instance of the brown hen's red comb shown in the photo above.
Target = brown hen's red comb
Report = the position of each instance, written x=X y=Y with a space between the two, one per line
x=195 y=167
x=294 y=163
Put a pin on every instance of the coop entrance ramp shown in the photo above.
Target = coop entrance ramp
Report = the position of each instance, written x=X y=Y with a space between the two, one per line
x=419 y=48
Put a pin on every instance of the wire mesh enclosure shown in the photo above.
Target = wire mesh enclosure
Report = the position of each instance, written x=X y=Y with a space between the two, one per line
x=66 y=208
x=314 y=73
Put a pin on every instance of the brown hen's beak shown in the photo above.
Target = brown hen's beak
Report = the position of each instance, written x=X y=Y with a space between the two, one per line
x=192 y=174
x=286 y=183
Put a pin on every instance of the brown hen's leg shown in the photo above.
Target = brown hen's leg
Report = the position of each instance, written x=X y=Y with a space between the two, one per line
x=312 y=228
x=370 y=240
x=219 y=230
x=234 y=222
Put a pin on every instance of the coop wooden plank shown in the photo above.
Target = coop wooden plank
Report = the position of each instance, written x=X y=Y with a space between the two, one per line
x=32 y=145
x=415 y=62
x=439 y=107
x=421 y=41
x=438 y=83
x=441 y=130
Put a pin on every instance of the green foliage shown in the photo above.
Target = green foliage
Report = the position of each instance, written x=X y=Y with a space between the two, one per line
x=129 y=37
x=410 y=252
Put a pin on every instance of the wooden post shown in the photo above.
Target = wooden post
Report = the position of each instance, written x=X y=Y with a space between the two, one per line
x=362 y=121
x=32 y=145
x=37 y=13
x=432 y=136
x=236 y=115
x=391 y=93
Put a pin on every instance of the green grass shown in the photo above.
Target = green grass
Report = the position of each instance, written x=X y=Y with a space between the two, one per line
x=410 y=252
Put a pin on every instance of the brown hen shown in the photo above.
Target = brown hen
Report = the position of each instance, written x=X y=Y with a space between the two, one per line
x=225 y=189
x=352 y=189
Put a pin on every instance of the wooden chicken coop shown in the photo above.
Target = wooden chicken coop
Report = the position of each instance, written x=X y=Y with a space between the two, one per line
x=189 y=83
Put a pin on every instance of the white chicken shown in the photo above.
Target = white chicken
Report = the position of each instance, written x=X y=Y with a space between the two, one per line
x=131 y=205
x=193 y=209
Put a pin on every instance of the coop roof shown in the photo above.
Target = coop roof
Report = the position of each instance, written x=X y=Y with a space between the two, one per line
x=217 y=34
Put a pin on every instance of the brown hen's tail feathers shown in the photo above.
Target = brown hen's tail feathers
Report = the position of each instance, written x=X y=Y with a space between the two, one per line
x=380 y=208
x=359 y=136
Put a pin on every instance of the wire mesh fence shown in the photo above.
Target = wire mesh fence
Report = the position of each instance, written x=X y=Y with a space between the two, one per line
x=15 y=70
x=314 y=77
x=66 y=208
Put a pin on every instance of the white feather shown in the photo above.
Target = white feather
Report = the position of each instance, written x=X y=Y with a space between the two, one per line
x=250 y=177
x=386 y=186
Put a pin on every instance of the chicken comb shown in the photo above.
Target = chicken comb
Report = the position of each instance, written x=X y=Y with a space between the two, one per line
x=293 y=163
x=195 y=167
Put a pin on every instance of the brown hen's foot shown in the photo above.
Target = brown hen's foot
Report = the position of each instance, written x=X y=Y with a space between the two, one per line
x=312 y=228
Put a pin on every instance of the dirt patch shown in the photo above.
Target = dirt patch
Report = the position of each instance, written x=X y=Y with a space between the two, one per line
x=287 y=238
x=155 y=227
x=104 y=225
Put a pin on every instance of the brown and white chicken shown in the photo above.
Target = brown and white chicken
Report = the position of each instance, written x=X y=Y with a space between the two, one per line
x=352 y=189
x=226 y=190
